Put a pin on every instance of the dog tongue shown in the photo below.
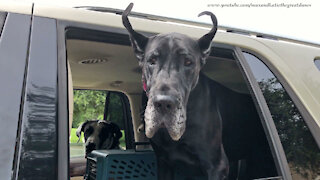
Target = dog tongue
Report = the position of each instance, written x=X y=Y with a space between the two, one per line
x=144 y=86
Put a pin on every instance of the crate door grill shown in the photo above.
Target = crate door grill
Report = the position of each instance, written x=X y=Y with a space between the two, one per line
x=130 y=167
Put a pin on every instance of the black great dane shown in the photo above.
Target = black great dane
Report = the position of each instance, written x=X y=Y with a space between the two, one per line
x=185 y=109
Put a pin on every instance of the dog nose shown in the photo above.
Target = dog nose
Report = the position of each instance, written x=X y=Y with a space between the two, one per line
x=164 y=103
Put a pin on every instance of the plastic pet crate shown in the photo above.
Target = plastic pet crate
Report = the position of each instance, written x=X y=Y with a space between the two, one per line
x=121 y=165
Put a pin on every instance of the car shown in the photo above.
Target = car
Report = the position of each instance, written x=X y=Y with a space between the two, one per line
x=47 y=52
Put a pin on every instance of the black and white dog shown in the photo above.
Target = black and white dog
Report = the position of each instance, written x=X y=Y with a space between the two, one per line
x=99 y=134
x=195 y=125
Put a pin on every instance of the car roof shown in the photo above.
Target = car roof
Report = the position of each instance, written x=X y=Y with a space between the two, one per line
x=94 y=15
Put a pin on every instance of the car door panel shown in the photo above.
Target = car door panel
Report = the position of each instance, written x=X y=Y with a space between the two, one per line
x=37 y=157
x=13 y=55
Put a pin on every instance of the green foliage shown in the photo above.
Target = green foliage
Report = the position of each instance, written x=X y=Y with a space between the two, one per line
x=300 y=148
x=88 y=105
x=73 y=136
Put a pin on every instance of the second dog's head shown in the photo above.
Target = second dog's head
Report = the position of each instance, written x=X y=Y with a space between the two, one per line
x=99 y=134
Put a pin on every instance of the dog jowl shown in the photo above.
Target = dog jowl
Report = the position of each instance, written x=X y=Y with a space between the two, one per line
x=170 y=64
x=99 y=134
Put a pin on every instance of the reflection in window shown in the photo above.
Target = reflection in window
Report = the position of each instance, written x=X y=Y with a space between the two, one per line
x=301 y=150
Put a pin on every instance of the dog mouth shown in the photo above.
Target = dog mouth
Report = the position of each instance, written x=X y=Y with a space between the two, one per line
x=174 y=120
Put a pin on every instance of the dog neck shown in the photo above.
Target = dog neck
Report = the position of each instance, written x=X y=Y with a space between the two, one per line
x=204 y=95
x=202 y=90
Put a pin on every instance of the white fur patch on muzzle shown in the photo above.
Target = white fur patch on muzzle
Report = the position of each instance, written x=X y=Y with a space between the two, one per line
x=174 y=122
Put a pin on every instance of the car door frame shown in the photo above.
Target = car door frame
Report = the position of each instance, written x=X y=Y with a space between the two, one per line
x=264 y=113
x=271 y=131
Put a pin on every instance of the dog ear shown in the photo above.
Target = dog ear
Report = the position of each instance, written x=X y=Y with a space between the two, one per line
x=205 y=41
x=115 y=128
x=116 y=131
x=138 y=40
x=104 y=121
x=80 y=129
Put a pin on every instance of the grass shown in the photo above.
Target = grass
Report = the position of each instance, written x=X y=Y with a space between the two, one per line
x=74 y=138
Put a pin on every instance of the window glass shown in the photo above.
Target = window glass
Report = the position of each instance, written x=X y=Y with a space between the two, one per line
x=115 y=110
x=90 y=105
x=3 y=16
x=301 y=150
x=115 y=113
x=317 y=63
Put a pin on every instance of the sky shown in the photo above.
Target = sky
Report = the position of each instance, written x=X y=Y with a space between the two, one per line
x=295 y=19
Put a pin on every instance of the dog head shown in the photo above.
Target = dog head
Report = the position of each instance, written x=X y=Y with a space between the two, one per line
x=170 y=64
x=99 y=134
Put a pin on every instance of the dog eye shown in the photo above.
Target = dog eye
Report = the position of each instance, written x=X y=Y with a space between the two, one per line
x=188 y=62
x=89 y=131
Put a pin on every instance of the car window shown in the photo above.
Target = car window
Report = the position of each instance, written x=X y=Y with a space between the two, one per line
x=3 y=16
x=88 y=105
x=91 y=105
x=115 y=110
x=302 y=152
x=119 y=71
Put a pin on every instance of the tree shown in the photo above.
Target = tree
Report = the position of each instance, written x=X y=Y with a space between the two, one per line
x=88 y=105
x=301 y=150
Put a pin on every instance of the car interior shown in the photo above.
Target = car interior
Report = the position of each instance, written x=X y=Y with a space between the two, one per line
x=105 y=61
